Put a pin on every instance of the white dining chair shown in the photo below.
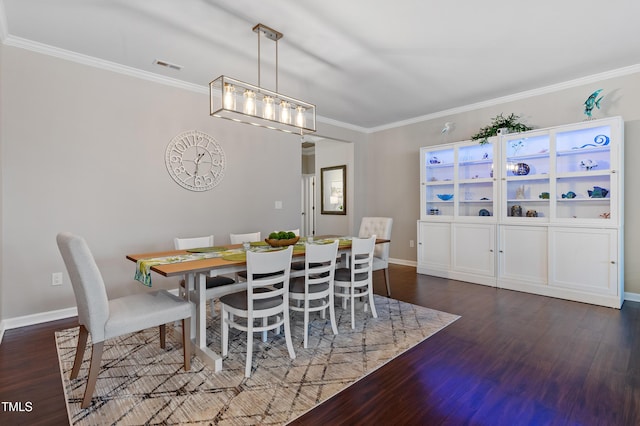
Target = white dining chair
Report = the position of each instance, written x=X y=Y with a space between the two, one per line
x=245 y=238
x=314 y=291
x=356 y=281
x=105 y=319
x=264 y=306
x=380 y=226
x=217 y=285
x=250 y=237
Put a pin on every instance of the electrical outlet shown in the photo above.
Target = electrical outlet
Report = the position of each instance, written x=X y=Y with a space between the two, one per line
x=56 y=278
x=412 y=243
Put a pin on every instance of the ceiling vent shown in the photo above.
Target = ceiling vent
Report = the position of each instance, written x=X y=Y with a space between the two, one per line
x=167 y=64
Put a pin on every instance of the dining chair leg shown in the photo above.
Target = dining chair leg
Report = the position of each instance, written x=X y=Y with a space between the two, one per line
x=82 y=344
x=163 y=336
x=224 y=324
x=353 y=304
x=287 y=335
x=186 y=343
x=332 y=314
x=371 y=302
x=386 y=279
x=265 y=321
x=247 y=366
x=306 y=327
x=94 y=369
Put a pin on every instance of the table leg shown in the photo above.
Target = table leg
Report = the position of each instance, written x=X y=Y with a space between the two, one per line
x=209 y=357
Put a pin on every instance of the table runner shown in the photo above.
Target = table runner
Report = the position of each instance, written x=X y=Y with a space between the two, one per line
x=143 y=266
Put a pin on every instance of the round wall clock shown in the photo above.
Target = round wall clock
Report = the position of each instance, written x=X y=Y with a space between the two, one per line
x=195 y=160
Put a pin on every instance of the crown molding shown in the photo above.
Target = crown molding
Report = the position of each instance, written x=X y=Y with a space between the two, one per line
x=46 y=49
x=620 y=72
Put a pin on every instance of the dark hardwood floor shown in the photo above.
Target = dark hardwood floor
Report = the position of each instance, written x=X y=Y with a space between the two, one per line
x=512 y=359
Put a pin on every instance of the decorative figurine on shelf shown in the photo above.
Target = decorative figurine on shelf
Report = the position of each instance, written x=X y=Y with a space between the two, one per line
x=606 y=215
x=544 y=195
x=588 y=164
x=520 y=193
x=600 y=140
x=597 y=192
x=569 y=195
x=592 y=102
x=434 y=160
x=532 y=213
x=516 y=211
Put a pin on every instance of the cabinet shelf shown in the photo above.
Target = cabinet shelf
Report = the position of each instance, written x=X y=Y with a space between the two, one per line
x=582 y=151
x=579 y=200
x=520 y=158
x=592 y=173
x=438 y=182
x=528 y=177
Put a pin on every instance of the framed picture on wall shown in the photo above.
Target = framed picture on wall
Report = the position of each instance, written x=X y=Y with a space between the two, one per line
x=333 y=187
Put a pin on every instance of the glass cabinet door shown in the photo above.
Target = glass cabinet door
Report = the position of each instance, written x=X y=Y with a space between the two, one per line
x=526 y=189
x=584 y=175
x=476 y=188
x=438 y=184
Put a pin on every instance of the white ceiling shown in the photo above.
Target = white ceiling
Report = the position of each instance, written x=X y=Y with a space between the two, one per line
x=368 y=63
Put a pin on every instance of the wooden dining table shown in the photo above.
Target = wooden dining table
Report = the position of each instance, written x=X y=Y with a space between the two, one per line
x=196 y=272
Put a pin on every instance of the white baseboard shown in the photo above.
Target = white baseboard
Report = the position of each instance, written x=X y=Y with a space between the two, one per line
x=403 y=262
x=34 y=319
x=632 y=297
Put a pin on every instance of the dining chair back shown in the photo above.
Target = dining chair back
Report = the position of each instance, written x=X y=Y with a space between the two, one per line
x=217 y=285
x=264 y=305
x=315 y=290
x=244 y=238
x=250 y=237
x=380 y=226
x=105 y=319
x=356 y=281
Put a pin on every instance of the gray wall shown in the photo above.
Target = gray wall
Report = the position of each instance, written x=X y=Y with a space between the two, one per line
x=393 y=157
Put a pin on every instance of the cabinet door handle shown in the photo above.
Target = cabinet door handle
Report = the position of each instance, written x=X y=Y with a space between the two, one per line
x=613 y=171
x=500 y=251
x=613 y=262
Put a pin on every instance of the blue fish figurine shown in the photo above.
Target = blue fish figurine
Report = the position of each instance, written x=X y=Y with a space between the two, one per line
x=592 y=102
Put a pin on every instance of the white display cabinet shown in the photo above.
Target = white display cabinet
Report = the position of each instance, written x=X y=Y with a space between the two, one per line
x=457 y=181
x=555 y=220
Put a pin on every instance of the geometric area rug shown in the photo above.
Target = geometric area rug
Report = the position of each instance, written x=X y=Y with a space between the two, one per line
x=139 y=383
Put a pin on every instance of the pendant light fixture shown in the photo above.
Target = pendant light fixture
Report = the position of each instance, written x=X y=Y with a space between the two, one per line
x=245 y=103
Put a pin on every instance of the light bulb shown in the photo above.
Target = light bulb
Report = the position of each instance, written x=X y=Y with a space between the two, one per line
x=269 y=110
x=300 y=122
x=229 y=96
x=285 y=112
x=249 y=102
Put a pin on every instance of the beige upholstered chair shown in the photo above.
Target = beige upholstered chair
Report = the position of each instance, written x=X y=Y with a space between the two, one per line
x=266 y=299
x=380 y=226
x=105 y=319
x=217 y=285
x=356 y=281
x=315 y=290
